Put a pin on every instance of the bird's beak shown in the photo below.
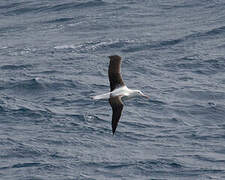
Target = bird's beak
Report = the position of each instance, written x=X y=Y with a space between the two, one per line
x=145 y=96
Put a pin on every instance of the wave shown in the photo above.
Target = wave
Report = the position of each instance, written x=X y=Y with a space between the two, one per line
x=38 y=85
x=148 y=45
x=61 y=47
x=37 y=7
x=141 y=46
x=32 y=84
x=73 y=5
x=95 y=46
x=16 y=67
x=20 y=108
x=207 y=95
x=60 y=20
x=33 y=113
x=12 y=28
x=10 y=5
x=197 y=65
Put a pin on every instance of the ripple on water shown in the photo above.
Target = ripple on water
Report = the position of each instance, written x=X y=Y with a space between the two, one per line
x=54 y=58
x=16 y=67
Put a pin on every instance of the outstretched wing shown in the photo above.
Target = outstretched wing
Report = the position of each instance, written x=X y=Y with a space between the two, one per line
x=115 y=77
x=117 y=107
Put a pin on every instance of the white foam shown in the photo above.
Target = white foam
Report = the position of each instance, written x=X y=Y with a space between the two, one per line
x=65 y=47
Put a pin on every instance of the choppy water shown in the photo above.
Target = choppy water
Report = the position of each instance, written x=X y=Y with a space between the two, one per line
x=53 y=58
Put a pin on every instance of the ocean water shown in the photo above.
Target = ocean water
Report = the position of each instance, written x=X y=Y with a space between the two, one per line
x=54 y=57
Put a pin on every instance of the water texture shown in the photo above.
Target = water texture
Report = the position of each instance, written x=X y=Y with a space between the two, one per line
x=54 y=57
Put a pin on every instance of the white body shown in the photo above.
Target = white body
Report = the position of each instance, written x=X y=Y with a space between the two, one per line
x=121 y=91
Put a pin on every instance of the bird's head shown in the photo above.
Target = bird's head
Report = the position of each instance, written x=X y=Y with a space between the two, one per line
x=139 y=93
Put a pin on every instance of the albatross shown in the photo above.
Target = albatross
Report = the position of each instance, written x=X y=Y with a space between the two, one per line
x=118 y=91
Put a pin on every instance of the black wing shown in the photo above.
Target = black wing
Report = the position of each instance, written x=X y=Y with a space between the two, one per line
x=115 y=77
x=117 y=107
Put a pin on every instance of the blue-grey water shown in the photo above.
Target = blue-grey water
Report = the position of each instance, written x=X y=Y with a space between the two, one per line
x=54 y=57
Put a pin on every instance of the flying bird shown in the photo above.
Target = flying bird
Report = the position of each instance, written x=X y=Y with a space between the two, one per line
x=118 y=91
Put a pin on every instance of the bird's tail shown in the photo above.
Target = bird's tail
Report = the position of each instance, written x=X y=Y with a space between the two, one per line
x=102 y=96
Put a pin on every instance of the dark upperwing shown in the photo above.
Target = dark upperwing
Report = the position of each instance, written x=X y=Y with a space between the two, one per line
x=117 y=107
x=115 y=77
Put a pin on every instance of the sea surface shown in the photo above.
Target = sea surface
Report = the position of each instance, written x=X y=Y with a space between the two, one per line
x=54 y=58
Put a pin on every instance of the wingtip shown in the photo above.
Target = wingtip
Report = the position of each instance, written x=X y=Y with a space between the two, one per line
x=114 y=56
x=94 y=98
x=113 y=130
